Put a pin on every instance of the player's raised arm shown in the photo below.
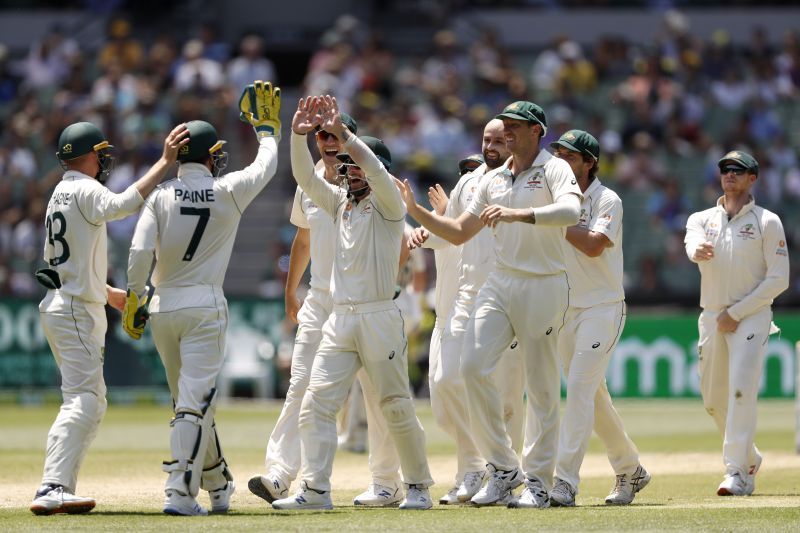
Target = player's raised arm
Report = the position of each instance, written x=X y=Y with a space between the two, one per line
x=305 y=120
x=259 y=106
x=179 y=136
x=457 y=231
x=373 y=161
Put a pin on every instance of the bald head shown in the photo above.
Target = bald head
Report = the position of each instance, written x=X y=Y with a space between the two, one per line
x=494 y=147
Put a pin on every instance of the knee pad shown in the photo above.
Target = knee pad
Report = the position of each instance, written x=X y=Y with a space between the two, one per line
x=189 y=441
x=399 y=413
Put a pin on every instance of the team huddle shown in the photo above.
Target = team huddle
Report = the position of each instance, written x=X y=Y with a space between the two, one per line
x=528 y=251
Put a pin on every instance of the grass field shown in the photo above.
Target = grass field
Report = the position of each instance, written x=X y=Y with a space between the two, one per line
x=677 y=440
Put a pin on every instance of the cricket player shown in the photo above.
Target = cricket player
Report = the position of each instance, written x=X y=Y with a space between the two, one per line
x=72 y=312
x=189 y=225
x=365 y=328
x=595 y=320
x=448 y=394
x=528 y=202
x=313 y=242
x=741 y=251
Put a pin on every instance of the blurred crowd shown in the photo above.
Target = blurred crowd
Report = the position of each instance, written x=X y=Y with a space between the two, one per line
x=664 y=111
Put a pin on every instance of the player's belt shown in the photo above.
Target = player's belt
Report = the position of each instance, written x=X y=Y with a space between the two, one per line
x=368 y=307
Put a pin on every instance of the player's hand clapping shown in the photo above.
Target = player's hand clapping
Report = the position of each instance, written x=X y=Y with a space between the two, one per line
x=438 y=199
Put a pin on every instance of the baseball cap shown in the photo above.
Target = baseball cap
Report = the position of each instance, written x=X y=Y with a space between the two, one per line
x=474 y=158
x=378 y=148
x=742 y=159
x=523 y=110
x=579 y=141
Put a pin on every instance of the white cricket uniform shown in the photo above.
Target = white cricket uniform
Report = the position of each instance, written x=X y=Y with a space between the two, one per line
x=365 y=328
x=283 y=449
x=749 y=269
x=448 y=394
x=73 y=317
x=524 y=296
x=189 y=224
x=594 y=323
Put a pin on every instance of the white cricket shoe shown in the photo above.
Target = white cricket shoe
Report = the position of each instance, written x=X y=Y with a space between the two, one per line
x=732 y=485
x=563 y=494
x=379 y=496
x=306 y=499
x=533 y=497
x=52 y=499
x=179 y=504
x=221 y=498
x=471 y=485
x=451 y=498
x=498 y=486
x=627 y=485
x=417 y=498
x=750 y=486
x=268 y=488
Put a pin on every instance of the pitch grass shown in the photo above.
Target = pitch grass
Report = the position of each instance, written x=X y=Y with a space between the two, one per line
x=677 y=440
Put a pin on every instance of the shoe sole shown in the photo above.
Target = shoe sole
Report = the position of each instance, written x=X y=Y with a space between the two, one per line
x=177 y=512
x=726 y=492
x=257 y=487
x=516 y=505
x=359 y=503
x=556 y=503
x=68 y=508
x=305 y=508
x=416 y=508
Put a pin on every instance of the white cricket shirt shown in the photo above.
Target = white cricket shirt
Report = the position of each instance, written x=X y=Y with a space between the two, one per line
x=76 y=245
x=308 y=215
x=597 y=280
x=369 y=233
x=750 y=266
x=521 y=248
x=477 y=254
x=190 y=223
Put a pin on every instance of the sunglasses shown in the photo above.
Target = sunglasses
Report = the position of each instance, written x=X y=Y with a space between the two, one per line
x=737 y=171
x=324 y=135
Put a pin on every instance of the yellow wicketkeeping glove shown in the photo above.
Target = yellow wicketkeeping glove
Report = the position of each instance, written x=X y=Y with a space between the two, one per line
x=135 y=315
x=260 y=106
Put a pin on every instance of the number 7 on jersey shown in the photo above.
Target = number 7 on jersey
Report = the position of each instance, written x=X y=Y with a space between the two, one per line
x=204 y=213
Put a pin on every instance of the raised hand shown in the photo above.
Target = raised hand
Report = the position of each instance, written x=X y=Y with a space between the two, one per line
x=438 y=199
x=408 y=195
x=307 y=116
x=260 y=106
x=331 y=119
x=178 y=137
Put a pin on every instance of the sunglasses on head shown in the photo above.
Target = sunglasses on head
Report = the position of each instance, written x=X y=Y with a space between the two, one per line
x=737 y=171
x=324 y=135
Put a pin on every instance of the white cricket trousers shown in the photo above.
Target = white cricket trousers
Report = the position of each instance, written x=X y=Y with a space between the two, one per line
x=448 y=393
x=191 y=344
x=75 y=330
x=368 y=335
x=585 y=347
x=283 y=448
x=532 y=309
x=730 y=366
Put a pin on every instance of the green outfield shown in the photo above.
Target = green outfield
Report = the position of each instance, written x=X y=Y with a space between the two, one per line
x=677 y=440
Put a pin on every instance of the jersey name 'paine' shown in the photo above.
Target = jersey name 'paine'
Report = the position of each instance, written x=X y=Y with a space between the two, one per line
x=203 y=195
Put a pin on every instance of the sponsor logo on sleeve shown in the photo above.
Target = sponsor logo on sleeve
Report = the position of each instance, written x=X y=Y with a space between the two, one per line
x=782 y=249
